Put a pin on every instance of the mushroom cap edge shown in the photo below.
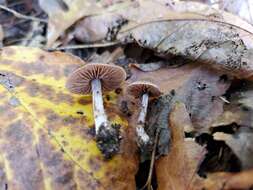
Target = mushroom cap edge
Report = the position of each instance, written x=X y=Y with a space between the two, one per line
x=111 y=76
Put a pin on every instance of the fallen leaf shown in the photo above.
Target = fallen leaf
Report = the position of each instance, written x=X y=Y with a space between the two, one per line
x=226 y=181
x=200 y=41
x=179 y=168
x=46 y=132
x=183 y=10
x=69 y=11
x=147 y=67
x=142 y=12
x=242 y=8
x=239 y=109
x=157 y=119
x=186 y=156
x=98 y=28
x=191 y=30
x=198 y=87
x=201 y=96
x=167 y=78
x=106 y=57
x=241 y=143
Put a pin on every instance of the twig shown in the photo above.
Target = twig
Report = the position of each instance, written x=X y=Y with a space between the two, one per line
x=224 y=99
x=84 y=46
x=149 y=179
x=183 y=20
x=19 y=15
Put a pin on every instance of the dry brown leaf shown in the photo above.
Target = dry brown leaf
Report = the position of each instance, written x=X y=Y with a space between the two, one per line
x=148 y=67
x=97 y=28
x=226 y=181
x=241 y=143
x=157 y=120
x=201 y=96
x=181 y=10
x=239 y=109
x=168 y=79
x=178 y=169
x=198 y=87
x=144 y=13
x=211 y=43
x=192 y=30
x=63 y=13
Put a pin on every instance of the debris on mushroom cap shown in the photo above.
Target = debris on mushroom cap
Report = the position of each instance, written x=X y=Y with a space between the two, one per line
x=111 y=77
x=138 y=88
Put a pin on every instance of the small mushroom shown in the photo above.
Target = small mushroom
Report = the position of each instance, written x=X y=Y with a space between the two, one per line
x=95 y=78
x=143 y=90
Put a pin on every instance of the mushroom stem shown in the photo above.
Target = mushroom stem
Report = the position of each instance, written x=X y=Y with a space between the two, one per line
x=98 y=106
x=142 y=135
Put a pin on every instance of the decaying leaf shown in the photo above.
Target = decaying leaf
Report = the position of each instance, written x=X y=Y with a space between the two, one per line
x=226 y=181
x=242 y=8
x=168 y=79
x=239 y=109
x=241 y=143
x=147 y=67
x=201 y=96
x=192 y=30
x=62 y=14
x=97 y=28
x=157 y=119
x=178 y=169
x=199 y=88
x=213 y=43
x=46 y=132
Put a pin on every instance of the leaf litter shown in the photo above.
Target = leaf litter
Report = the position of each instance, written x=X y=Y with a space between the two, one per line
x=199 y=55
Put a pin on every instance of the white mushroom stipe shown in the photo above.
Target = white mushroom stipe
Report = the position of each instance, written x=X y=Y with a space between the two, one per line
x=98 y=106
x=142 y=135
x=144 y=107
x=95 y=78
x=143 y=138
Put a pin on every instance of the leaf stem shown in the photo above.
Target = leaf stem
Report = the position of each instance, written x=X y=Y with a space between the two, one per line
x=19 y=15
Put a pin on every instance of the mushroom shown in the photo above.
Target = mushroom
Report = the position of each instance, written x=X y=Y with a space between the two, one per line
x=95 y=78
x=143 y=90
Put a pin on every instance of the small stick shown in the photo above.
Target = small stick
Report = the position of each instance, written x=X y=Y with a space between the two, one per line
x=149 y=179
x=224 y=99
x=84 y=46
x=19 y=15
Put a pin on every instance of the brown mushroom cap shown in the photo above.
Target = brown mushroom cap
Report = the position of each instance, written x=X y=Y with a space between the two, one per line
x=111 y=77
x=138 y=88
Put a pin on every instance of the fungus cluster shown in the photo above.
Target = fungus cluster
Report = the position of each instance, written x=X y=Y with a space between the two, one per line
x=97 y=78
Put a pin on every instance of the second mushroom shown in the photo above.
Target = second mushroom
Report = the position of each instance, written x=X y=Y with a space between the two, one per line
x=143 y=90
x=95 y=78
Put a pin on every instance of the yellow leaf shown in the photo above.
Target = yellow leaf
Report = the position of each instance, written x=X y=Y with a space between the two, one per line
x=46 y=140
